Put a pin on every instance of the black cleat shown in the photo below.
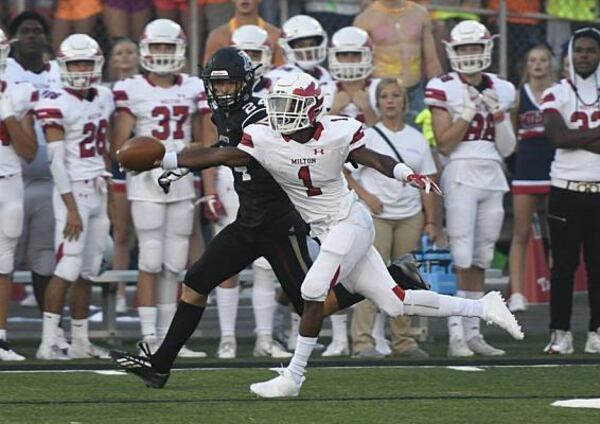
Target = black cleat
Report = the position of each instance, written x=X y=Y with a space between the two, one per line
x=405 y=272
x=140 y=366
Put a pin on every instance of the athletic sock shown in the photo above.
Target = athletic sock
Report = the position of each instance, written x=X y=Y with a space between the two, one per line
x=263 y=299
x=49 y=328
x=339 y=328
x=147 y=321
x=3 y=334
x=471 y=325
x=79 y=330
x=185 y=321
x=304 y=347
x=165 y=313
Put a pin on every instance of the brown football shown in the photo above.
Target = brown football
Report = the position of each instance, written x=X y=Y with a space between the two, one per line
x=141 y=154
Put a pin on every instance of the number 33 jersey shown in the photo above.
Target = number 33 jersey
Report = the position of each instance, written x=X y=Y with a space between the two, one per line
x=310 y=173
x=85 y=124
x=165 y=114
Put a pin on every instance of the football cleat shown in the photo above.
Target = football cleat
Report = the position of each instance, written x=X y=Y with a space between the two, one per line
x=227 y=348
x=457 y=348
x=592 y=344
x=561 y=342
x=265 y=346
x=517 y=303
x=479 y=346
x=51 y=353
x=284 y=385
x=7 y=354
x=336 y=349
x=186 y=352
x=85 y=350
x=140 y=366
x=496 y=312
x=405 y=272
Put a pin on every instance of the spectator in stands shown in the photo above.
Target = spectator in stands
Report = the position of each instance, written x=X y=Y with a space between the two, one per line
x=403 y=46
x=126 y=18
x=333 y=15
x=400 y=213
x=531 y=179
x=74 y=16
x=570 y=111
x=123 y=62
x=36 y=246
x=523 y=33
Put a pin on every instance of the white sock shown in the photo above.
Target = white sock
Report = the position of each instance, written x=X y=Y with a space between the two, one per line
x=455 y=328
x=263 y=299
x=339 y=327
x=165 y=314
x=3 y=334
x=79 y=330
x=294 y=328
x=227 y=305
x=430 y=304
x=147 y=321
x=304 y=347
x=378 y=331
x=471 y=324
x=50 y=323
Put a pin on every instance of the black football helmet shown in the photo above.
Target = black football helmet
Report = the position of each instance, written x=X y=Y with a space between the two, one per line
x=233 y=64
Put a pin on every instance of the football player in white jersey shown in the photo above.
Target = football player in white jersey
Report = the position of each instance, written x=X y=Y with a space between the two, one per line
x=29 y=34
x=163 y=104
x=571 y=112
x=254 y=40
x=305 y=154
x=304 y=44
x=75 y=121
x=470 y=110
x=17 y=140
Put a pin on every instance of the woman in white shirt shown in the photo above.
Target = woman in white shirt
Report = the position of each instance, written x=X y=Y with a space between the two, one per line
x=400 y=212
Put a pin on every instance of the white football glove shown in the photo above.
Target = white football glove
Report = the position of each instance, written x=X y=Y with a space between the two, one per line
x=489 y=98
x=471 y=99
x=6 y=109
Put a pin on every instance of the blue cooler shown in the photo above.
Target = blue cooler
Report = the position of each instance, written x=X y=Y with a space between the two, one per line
x=436 y=267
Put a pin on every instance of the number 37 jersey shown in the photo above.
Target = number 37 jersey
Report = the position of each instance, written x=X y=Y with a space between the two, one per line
x=310 y=173
x=85 y=124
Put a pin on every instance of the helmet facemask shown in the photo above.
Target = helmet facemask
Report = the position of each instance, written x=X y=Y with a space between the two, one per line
x=350 y=70
x=289 y=113
x=306 y=57
x=162 y=63
x=225 y=101
x=80 y=80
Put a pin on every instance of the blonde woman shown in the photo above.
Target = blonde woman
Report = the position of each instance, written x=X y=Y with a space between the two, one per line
x=400 y=212
x=531 y=183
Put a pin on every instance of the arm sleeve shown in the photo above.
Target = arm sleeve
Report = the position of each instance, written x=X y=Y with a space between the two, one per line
x=56 y=156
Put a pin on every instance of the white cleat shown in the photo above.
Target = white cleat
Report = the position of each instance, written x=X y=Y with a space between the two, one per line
x=7 y=354
x=496 y=312
x=61 y=341
x=86 y=350
x=336 y=349
x=29 y=301
x=517 y=303
x=561 y=342
x=265 y=346
x=592 y=345
x=479 y=346
x=227 y=348
x=284 y=385
x=121 y=305
x=383 y=346
x=186 y=352
x=457 y=348
x=50 y=353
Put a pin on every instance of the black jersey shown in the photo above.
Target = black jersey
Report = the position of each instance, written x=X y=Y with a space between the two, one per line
x=261 y=199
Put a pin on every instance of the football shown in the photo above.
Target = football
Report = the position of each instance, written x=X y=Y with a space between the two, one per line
x=141 y=154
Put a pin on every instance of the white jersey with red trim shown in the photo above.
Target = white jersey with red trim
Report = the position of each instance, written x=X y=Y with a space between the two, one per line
x=165 y=114
x=446 y=92
x=310 y=173
x=353 y=111
x=581 y=112
x=85 y=124
x=46 y=81
x=322 y=75
x=475 y=161
x=23 y=98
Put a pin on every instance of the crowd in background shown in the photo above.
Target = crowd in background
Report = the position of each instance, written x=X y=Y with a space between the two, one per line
x=396 y=108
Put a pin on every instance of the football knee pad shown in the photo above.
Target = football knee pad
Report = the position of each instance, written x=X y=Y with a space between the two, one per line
x=69 y=267
x=7 y=260
x=179 y=226
x=150 y=256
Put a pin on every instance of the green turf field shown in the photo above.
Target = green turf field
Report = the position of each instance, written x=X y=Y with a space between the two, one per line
x=330 y=395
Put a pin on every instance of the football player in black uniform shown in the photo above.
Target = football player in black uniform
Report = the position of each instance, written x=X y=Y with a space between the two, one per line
x=267 y=225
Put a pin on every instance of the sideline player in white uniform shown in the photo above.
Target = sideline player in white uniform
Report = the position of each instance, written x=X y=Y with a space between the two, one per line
x=471 y=122
x=29 y=35
x=350 y=63
x=305 y=154
x=162 y=104
x=17 y=140
x=254 y=41
x=75 y=121
x=571 y=113
x=304 y=44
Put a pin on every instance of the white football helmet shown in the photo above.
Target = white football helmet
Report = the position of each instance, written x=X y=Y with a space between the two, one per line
x=294 y=103
x=162 y=31
x=299 y=27
x=351 y=40
x=80 y=47
x=4 y=51
x=468 y=33
x=252 y=38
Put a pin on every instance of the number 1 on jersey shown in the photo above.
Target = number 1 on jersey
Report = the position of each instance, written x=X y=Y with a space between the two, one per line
x=304 y=175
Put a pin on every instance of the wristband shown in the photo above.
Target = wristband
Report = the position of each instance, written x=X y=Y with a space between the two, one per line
x=468 y=114
x=401 y=172
x=169 y=161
